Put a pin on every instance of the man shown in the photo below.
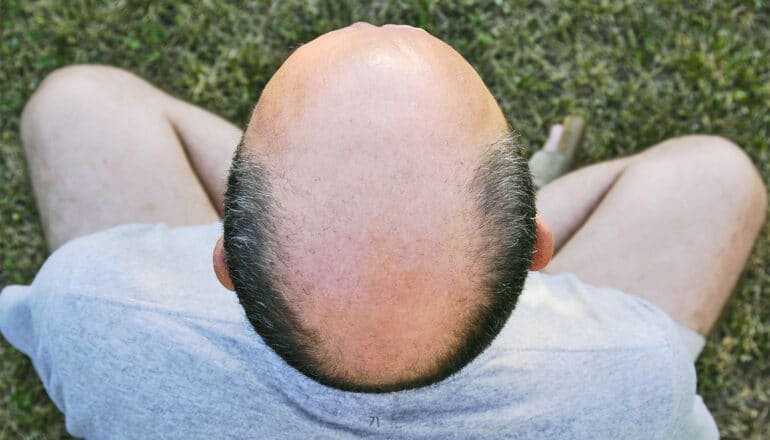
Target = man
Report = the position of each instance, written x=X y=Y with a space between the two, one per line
x=379 y=224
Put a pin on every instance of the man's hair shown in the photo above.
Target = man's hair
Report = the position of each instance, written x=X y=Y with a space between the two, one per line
x=503 y=193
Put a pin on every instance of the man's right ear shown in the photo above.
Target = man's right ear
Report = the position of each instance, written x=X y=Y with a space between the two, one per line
x=220 y=265
x=543 y=245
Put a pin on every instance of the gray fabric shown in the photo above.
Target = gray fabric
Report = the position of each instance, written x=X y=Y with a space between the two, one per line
x=133 y=337
x=692 y=340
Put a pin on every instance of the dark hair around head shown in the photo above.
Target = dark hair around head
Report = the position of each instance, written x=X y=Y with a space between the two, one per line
x=504 y=195
x=253 y=260
x=505 y=200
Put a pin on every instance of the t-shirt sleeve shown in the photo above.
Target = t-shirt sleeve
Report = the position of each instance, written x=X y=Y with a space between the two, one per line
x=128 y=328
x=23 y=312
x=690 y=419
x=616 y=322
x=16 y=323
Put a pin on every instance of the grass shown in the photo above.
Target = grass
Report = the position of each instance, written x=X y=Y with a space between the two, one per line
x=638 y=71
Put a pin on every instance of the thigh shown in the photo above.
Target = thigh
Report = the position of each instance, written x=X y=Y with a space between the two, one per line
x=102 y=151
x=675 y=226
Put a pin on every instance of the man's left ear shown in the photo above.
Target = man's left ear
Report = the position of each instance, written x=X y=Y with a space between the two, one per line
x=220 y=266
x=543 y=244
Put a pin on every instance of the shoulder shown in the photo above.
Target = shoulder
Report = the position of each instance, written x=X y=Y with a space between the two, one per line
x=133 y=259
x=138 y=308
x=124 y=242
x=136 y=270
x=561 y=311
x=149 y=273
x=147 y=240
x=616 y=358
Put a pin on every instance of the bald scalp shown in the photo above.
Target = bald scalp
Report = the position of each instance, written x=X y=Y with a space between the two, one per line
x=379 y=218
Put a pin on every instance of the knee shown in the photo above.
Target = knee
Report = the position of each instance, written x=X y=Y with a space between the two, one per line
x=73 y=85
x=722 y=163
x=71 y=92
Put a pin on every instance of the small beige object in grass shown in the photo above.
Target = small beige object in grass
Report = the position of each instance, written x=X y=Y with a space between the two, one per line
x=558 y=152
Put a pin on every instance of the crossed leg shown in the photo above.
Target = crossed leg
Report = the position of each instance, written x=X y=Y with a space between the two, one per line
x=105 y=147
x=673 y=224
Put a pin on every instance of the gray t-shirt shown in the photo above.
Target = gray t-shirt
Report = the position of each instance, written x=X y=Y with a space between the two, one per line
x=133 y=337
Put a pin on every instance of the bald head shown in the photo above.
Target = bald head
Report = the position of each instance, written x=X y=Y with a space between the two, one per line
x=379 y=219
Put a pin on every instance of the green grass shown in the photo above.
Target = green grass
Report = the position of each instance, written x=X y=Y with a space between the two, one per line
x=638 y=71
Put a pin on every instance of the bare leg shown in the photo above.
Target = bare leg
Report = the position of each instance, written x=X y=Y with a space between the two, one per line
x=105 y=148
x=674 y=224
